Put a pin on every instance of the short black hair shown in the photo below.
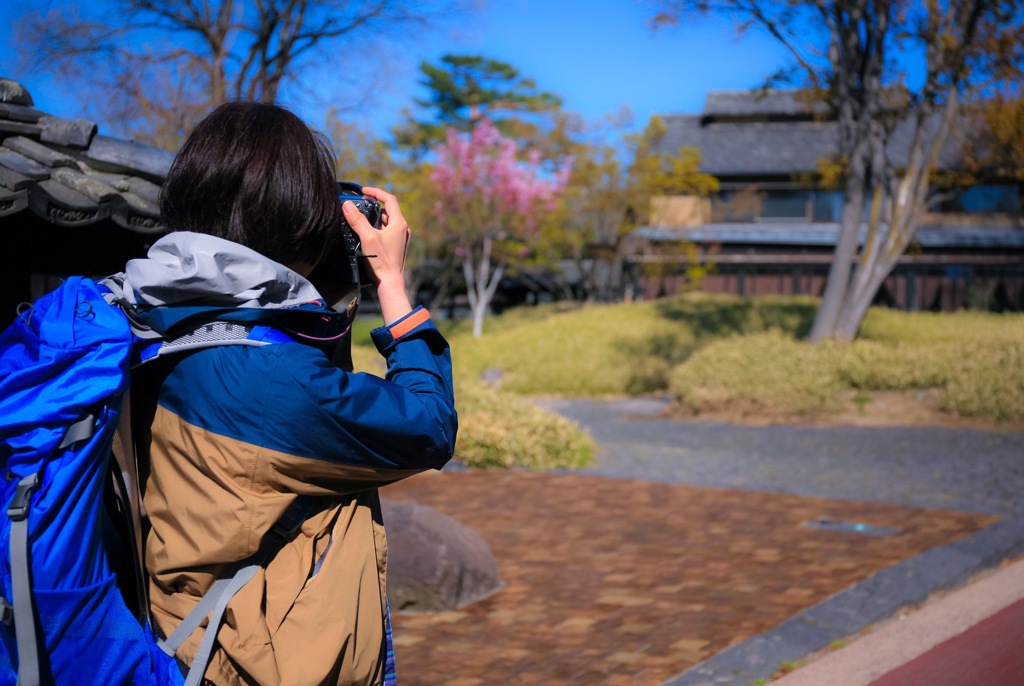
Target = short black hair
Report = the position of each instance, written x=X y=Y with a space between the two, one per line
x=255 y=174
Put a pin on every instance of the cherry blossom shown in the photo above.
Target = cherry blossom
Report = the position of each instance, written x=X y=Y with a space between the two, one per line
x=487 y=194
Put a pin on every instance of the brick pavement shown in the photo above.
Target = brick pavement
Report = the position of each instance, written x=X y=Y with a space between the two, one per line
x=624 y=582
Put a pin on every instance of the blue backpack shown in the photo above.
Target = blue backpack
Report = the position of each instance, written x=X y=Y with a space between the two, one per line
x=64 y=372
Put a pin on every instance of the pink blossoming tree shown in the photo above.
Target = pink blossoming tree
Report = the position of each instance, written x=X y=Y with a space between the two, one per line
x=491 y=204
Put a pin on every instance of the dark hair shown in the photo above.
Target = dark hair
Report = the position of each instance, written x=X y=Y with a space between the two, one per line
x=255 y=174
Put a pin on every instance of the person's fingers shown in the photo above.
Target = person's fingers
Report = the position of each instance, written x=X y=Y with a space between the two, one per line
x=359 y=223
x=385 y=248
x=387 y=199
x=393 y=213
x=395 y=228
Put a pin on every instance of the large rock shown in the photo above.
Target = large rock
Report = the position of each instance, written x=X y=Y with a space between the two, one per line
x=434 y=562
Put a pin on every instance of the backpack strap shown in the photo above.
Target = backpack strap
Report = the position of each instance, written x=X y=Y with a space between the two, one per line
x=129 y=490
x=25 y=624
x=215 y=601
x=24 y=615
x=152 y=346
x=212 y=335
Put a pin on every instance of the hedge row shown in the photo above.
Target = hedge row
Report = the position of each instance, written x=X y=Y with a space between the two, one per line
x=772 y=371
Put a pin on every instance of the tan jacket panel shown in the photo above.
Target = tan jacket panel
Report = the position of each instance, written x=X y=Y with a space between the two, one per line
x=285 y=626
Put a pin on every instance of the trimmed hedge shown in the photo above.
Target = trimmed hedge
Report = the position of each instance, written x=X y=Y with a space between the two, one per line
x=977 y=376
x=985 y=381
x=619 y=349
x=499 y=429
x=762 y=372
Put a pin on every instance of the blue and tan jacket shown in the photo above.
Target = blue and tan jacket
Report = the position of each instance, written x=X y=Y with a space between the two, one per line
x=239 y=432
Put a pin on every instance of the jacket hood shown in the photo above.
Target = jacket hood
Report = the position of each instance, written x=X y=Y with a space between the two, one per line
x=191 y=277
x=186 y=268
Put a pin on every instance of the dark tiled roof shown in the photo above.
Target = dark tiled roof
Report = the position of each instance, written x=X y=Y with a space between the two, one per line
x=65 y=172
x=735 y=142
x=751 y=147
x=783 y=103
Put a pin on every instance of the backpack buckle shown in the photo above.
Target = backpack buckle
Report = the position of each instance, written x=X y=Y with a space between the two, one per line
x=18 y=509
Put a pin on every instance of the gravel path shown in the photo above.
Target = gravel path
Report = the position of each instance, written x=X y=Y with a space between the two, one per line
x=963 y=469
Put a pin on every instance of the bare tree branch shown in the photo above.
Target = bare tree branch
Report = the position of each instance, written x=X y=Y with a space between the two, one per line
x=220 y=49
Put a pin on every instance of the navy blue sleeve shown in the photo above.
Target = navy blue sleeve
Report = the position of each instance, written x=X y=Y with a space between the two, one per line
x=405 y=421
x=324 y=423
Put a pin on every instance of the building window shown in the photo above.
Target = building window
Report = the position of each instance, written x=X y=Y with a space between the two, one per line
x=991 y=199
x=776 y=206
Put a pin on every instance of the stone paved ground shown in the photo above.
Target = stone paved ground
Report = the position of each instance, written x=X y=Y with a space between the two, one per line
x=622 y=581
x=924 y=466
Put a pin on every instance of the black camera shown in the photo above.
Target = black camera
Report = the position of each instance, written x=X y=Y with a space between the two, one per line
x=344 y=262
x=369 y=207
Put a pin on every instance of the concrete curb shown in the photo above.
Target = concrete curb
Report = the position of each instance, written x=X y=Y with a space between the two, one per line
x=876 y=598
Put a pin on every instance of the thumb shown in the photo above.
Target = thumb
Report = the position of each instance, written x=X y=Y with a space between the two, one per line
x=355 y=219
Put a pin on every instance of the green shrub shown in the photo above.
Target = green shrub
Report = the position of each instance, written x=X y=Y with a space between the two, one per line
x=510 y=319
x=497 y=429
x=595 y=350
x=361 y=329
x=752 y=374
x=616 y=349
x=718 y=352
x=648 y=375
x=717 y=316
x=875 y=366
x=894 y=326
x=986 y=381
x=367 y=359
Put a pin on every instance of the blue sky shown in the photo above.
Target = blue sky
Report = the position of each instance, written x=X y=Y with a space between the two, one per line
x=598 y=55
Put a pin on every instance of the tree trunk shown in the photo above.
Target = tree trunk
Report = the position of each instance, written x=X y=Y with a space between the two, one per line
x=479 y=310
x=838 y=283
x=857 y=53
x=482 y=281
x=890 y=232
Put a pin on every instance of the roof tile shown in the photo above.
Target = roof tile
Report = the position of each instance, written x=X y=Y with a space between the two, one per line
x=12 y=202
x=118 y=181
x=757 y=138
x=141 y=204
x=12 y=180
x=39 y=152
x=61 y=170
x=23 y=165
x=19 y=113
x=8 y=127
x=144 y=189
x=786 y=103
x=14 y=93
x=76 y=134
x=92 y=188
x=64 y=206
x=114 y=155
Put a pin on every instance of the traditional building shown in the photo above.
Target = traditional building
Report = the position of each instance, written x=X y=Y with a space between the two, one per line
x=771 y=229
x=72 y=201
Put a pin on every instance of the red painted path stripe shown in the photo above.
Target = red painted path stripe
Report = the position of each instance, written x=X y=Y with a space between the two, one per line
x=990 y=653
